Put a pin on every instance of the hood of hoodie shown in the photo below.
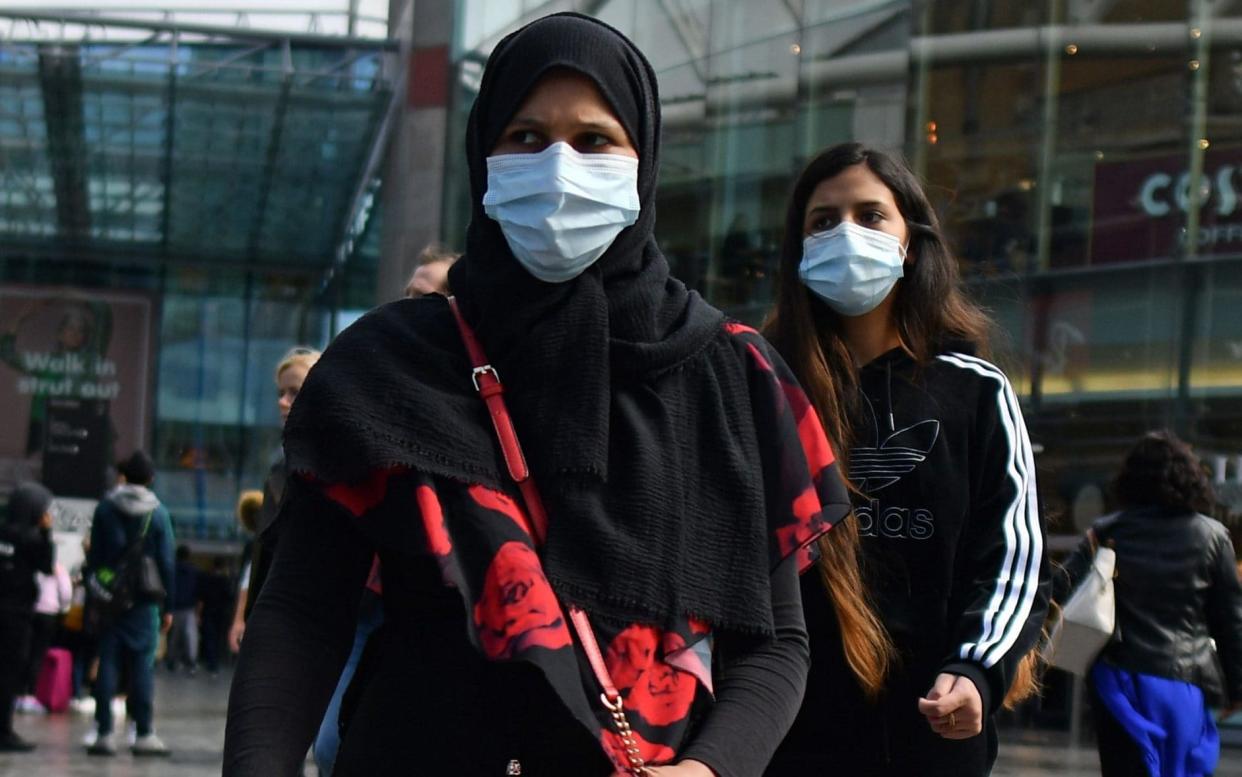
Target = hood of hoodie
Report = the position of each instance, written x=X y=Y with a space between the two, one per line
x=133 y=500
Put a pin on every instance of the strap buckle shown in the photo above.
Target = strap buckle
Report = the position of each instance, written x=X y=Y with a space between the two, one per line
x=479 y=371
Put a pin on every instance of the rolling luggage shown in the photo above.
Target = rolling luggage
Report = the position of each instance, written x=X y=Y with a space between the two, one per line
x=55 y=685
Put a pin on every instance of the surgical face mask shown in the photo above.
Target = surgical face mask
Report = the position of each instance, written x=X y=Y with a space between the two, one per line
x=560 y=210
x=851 y=268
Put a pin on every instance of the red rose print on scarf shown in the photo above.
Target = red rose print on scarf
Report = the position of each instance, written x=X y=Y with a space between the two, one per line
x=501 y=502
x=662 y=695
x=518 y=609
x=364 y=495
x=657 y=691
x=630 y=654
x=429 y=507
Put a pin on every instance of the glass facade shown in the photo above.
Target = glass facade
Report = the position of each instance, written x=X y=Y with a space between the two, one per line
x=218 y=185
x=1083 y=155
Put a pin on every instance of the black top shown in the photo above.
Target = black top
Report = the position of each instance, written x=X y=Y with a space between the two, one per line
x=267 y=533
x=24 y=550
x=1177 y=590
x=451 y=548
x=953 y=556
x=433 y=701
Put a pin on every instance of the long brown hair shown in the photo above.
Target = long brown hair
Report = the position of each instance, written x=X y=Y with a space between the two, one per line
x=929 y=308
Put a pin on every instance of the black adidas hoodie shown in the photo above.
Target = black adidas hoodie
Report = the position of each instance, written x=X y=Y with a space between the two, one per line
x=953 y=548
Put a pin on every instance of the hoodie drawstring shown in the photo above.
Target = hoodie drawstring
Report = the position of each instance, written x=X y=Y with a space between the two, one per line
x=888 y=389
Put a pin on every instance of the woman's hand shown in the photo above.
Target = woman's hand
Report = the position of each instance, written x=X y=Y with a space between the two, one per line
x=953 y=707
x=235 y=635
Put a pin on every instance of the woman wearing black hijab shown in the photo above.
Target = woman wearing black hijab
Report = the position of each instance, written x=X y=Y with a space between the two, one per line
x=683 y=472
x=25 y=548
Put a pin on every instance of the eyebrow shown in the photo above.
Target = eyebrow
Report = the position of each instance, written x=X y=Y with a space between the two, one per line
x=591 y=126
x=866 y=204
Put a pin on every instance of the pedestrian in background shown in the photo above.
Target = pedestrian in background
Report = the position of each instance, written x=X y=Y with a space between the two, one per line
x=77 y=638
x=55 y=597
x=291 y=372
x=215 y=599
x=132 y=513
x=872 y=319
x=184 y=605
x=1178 y=644
x=683 y=472
x=25 y=548
x=431 y=274
x=249 y=508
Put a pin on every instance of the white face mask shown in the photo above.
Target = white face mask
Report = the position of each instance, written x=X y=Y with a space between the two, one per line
x=851 y=268
x=560 y=210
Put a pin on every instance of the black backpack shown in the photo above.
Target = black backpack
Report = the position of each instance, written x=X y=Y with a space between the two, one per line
x=113 y=591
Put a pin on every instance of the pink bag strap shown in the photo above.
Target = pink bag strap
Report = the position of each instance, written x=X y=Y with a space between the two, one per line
x=487 y=383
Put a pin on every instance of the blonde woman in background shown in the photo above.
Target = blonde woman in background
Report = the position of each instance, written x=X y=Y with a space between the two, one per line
x=290 y=373
x=249 y=505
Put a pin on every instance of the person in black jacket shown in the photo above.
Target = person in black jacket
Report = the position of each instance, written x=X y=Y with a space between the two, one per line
x=872 y=320
x=1176 y=591
x=25 y=548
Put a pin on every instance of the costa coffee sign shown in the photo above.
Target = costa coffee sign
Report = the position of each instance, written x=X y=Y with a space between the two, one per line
x=1140 y=207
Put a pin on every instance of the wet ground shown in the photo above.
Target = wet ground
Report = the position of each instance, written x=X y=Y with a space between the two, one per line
x=189 y=717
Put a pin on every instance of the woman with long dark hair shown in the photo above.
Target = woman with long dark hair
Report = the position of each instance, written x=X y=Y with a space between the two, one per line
x=872 y=320
x=637 y=609
x=1176 y=591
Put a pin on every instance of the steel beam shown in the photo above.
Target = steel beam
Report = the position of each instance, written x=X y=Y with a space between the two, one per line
x=60 y=77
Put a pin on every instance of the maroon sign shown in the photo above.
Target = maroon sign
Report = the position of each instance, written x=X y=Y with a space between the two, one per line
x=1140 y=207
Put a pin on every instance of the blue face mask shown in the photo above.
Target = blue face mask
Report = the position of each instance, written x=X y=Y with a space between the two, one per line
x=560 y=210
x=852 y=268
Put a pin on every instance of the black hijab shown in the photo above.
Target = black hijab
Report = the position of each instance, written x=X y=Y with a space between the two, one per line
x=556 y=344
x=631 y=402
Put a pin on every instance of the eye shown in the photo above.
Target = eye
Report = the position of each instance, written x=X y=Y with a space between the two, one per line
x=822 y=223
x=525 y=137
x=593 y=141
x=872 y=217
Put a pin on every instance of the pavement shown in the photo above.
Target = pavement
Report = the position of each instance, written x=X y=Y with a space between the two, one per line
x=190 y=711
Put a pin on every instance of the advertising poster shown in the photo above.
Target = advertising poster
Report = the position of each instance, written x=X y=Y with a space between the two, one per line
x=75 y=369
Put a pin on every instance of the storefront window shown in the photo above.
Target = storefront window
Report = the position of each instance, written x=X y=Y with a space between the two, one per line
x=1083 y=156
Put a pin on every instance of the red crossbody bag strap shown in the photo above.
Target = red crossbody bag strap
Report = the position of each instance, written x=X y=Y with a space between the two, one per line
x=487 y=383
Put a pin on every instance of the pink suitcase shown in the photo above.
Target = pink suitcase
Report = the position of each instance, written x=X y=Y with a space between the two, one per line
x=55 y=684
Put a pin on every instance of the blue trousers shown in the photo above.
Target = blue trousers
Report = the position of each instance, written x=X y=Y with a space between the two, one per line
x=328 y=741
x=133 y=640
x=1168 y=722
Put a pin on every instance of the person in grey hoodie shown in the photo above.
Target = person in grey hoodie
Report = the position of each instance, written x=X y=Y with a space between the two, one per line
x=25 y=548
x=128 y=510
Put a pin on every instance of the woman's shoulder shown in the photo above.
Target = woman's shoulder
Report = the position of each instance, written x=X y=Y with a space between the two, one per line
x=408 y=338
x=393 y=325
x=751 y=346
x=394 y=388
x=964 y=366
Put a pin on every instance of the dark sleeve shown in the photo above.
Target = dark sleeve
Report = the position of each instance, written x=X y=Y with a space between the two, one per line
x=1001 y=579
x=759 y=689
x=40 y=550
x=95 y=548
x=1224 y=612
x=164 y=557
x=297 y=638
